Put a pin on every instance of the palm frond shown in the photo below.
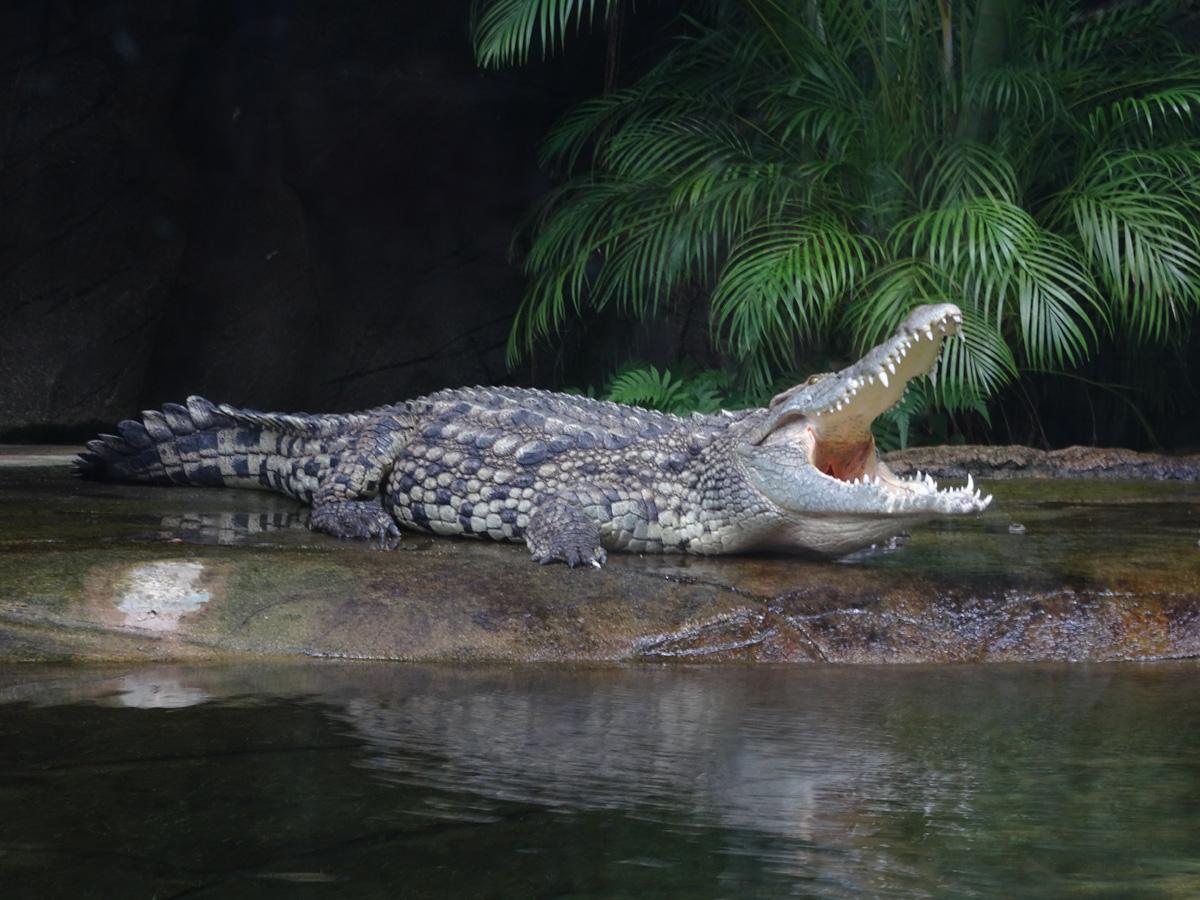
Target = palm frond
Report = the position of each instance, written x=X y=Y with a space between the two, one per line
x=1136 y=219
x=1090 y=33
x=587 y=125
x=660 y=151
x=1056 y=300
x=976 y=366
x=970 y=369
x=573 y=226
x=821 y=108
x=505 y=30
x=975 y=241
x=966 y=169
x=1024 y=91
x=1163 y=110
x=891 y=293
x=783 y=282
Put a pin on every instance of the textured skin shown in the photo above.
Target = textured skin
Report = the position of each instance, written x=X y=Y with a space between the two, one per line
x=573 y=477
x=568 y=475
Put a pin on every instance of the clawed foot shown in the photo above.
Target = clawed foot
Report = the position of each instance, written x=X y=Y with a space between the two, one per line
x=572 y=554
x=560 y=531
x=356 y=519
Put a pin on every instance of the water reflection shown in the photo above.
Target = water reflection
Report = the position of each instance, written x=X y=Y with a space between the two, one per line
x=826 y=782
x=229 y=528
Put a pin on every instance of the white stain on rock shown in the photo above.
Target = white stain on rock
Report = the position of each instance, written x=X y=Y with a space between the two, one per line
x=157 y=595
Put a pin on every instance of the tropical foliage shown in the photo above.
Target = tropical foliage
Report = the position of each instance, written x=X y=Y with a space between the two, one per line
x=680 y=392
x=819 y=167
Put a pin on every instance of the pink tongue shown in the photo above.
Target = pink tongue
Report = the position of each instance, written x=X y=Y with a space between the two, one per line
x=843 y=461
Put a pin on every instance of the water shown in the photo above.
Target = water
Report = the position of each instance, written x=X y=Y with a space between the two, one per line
x=376 y=780
x=1124 y=535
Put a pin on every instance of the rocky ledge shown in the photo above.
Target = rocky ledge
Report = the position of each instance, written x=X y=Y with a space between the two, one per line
x=1015 y=461
x=1054 y=570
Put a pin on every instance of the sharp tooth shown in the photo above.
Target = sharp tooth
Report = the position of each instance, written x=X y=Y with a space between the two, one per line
x=933 y=373
x=986 y=500
x=870 y=379
x=942 y=325
x=956 y=317
x=970 y=483
x=838 y=406
x=883 y=376
x=891 y=368
x=929 y=333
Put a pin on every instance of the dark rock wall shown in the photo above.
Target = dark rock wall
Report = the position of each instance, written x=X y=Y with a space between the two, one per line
x=283 y=205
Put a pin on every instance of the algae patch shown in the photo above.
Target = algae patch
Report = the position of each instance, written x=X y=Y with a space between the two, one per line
x=157 y=595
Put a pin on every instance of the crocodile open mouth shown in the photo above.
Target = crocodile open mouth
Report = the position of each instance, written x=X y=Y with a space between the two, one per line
x=828 y=418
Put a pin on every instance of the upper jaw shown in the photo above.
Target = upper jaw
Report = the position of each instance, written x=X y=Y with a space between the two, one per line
x=842 y=406
x=814 y=451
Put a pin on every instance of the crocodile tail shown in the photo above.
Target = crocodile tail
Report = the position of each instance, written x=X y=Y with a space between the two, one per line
x=201 y=443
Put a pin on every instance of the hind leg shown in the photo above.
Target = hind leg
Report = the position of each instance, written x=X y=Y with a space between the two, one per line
x=358 y=519
x=347 y=502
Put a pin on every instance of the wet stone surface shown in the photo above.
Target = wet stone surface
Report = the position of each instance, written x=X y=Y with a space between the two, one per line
x=1097 y=570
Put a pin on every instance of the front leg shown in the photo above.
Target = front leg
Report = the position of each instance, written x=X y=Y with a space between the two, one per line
x=560 y=530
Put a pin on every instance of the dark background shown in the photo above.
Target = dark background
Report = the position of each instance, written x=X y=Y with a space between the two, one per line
x=310 y=206
x=281 y=205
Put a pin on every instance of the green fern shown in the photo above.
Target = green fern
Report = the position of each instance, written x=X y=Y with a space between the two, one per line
x=683 y=391
x=646 y=387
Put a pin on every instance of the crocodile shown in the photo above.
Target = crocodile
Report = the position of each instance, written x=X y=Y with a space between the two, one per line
x=574 y=477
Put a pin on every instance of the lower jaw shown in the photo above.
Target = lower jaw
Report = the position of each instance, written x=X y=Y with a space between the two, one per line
x=832 y=535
